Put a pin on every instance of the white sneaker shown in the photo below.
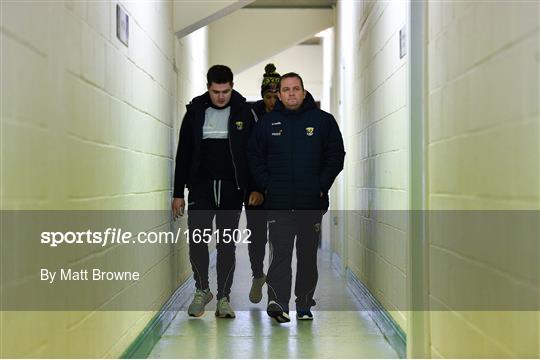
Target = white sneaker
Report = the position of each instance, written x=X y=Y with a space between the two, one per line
x=224 y=309
x=200 y=299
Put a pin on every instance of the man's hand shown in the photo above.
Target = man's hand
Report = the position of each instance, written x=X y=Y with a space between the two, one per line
x=178 y=206
x=255 y=198
x=321 y=194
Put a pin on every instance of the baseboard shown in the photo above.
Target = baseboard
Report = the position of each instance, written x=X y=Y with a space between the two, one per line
x=390 y=329
x=147 y=339
x=144 y=343
x=337 y=263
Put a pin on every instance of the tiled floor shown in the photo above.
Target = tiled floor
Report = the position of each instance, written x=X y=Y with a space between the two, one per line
x=339 y=332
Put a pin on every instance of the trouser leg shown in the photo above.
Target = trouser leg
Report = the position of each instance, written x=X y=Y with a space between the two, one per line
x=309 y=227
x=256 y=223
x=227 y=217
x=279 y=276
x=200 y=215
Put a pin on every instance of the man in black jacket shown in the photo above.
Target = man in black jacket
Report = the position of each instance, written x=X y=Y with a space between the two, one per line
x=211 y=161
x=256 y=215
x=295 y=154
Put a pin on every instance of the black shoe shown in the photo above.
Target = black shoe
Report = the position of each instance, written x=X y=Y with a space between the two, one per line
x=304 y=314
x=274 y=310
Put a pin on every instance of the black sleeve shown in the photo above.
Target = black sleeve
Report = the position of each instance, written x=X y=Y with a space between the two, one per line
x=257 y=151
x=183 y=156
x=251 y=183
x=333 y=156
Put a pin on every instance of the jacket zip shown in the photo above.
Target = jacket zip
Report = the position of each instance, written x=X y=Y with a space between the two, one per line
x=293 y=152
x=230 y=150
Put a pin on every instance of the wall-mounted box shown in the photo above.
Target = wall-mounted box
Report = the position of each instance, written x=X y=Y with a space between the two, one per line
x=122 y=25
x=402 y=43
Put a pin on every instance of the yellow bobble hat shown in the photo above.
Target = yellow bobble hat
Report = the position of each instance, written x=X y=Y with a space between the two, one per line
x=270 y=79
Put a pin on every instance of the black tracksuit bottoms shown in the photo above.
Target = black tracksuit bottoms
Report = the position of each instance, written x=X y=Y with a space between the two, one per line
x=209 y=199
x=256 y=222
x=306 y=226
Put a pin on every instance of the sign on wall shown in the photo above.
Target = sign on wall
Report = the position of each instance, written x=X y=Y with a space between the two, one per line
x=402 y=43
x=122 y=25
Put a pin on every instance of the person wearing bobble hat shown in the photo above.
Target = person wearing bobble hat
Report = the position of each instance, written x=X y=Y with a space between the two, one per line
x=269 y=92
x=255 y=215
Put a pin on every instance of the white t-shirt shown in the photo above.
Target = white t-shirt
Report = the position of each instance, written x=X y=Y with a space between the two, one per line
x=216 y=123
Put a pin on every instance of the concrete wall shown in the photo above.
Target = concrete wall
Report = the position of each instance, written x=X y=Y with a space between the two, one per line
x=191 y=64
x=484 y=154
x=89 y=124
x=72 y=90
x=374 y=119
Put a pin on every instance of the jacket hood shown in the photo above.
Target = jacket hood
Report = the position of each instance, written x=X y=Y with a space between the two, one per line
x=259 y=108
x=308 y=103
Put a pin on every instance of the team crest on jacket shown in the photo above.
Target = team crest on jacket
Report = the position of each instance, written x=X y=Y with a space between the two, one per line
x=239 y=125
x=309 y=131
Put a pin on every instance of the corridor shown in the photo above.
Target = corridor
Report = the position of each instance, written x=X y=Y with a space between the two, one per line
x=337 y=331
x=431 y=241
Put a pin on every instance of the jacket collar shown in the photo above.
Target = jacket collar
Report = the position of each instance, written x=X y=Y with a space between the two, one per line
x=308 y=103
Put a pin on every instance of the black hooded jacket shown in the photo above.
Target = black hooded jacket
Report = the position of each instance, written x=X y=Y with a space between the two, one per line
x=296 y=155
x=188 y=156
x=259 y=109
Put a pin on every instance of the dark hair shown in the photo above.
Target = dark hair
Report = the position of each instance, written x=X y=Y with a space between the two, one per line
x=291 y=75
x=219 y=74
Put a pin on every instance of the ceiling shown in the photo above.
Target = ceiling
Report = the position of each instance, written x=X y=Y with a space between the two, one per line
x=292 y=4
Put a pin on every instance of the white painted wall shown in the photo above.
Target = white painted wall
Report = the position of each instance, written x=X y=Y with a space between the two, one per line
x=483 y=151
x=306 y=60
x=89 y=124
x=372 y=109
x=484 y=154
x=192 y=64
x=328 y=69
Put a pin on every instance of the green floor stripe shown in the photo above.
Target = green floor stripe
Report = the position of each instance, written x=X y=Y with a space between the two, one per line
x=147 y=339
